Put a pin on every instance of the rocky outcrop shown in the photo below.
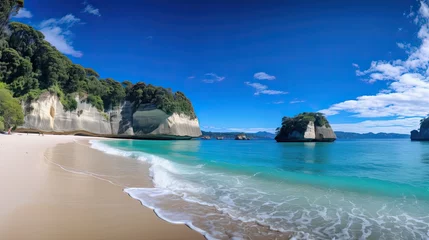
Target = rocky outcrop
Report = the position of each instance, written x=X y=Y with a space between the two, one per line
x=241 y=137
x=148 y=120
x=48 y=115
x=422 y=135
x=295 y=130
x=308 y=135
x=325 y=134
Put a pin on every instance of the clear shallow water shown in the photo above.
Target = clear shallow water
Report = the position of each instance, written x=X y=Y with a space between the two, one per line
x=374 y=189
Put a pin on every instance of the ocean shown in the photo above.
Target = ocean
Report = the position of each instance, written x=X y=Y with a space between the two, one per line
x=348 y=189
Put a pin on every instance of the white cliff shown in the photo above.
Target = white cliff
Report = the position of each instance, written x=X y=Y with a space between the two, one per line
x=47 y=114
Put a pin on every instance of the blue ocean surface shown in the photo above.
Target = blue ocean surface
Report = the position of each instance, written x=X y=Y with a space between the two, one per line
x=349 y=189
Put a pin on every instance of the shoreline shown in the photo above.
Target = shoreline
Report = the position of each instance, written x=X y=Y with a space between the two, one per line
x=51 y=201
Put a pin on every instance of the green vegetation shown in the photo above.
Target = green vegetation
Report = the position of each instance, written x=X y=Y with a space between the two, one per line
x=162 y=98
x=299 y=123
x=424 y=123
x=11 y=114
x=30 y=66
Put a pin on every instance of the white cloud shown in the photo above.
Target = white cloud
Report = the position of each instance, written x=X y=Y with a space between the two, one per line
x=296 y=101
x=236 y=129
x=57 y=33
x=399 y=125
x=191 y=77
x=91 y=9
x=278 y=102
x=263 y=89
x=263 y=76
x=212 y=78
x=23 y=13
x=355 y=65
x=407 y=82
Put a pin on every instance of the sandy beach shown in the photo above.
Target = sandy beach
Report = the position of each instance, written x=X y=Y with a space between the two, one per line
x=57 y=187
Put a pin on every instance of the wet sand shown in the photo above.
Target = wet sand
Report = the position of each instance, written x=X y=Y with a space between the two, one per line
x=56 y=187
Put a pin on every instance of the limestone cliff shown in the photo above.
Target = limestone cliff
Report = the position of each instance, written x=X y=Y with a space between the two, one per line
x=325 y=134
x=423 y=133
x=148 y=120
x=305 y=127
x=47 y=114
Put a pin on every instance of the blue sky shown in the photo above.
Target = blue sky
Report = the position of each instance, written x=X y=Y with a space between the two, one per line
x=246 y=65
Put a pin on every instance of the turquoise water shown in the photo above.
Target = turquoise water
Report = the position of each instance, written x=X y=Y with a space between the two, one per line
x=374 y=189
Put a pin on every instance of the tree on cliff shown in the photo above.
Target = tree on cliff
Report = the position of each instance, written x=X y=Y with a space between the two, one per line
x=10 y=110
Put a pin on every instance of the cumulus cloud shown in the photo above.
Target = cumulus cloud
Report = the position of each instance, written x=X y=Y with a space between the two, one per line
x=212 y=78
x=263 y=89
x=263 y=76
x=23 y=13
x=91 y=9
x=407 y=81
x=57 y=32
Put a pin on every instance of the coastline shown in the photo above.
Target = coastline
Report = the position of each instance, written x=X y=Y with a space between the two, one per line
x=51 y=190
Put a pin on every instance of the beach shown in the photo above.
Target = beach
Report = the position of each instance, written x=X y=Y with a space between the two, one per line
x=57 y=187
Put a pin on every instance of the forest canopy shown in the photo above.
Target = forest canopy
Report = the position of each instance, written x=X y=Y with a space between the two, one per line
x=29 y=66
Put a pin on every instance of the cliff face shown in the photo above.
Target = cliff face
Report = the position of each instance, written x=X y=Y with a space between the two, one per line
x=311 y=134
x=422 y=135
x=48 y=115
x=325 y=134
x=148 y=120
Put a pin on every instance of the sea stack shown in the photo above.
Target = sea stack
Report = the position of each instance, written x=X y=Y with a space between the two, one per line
x=241 y=137
x=423 y=133
x=305 y=127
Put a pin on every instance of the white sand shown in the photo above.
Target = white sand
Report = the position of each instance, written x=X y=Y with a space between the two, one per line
x=40 y=200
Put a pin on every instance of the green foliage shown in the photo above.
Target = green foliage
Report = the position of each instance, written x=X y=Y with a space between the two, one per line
x=3 y=85
x=32 y=95
x=6 y=8
x=67 y=100
x=96 y=102
x=23 y=85
x=105 y=116
x=91 y=73
x=1 y=123
x=113 y=93
x=162 y=98
x=24 y=39
x=300 y=122
x=424 y=123
x=10 y=110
